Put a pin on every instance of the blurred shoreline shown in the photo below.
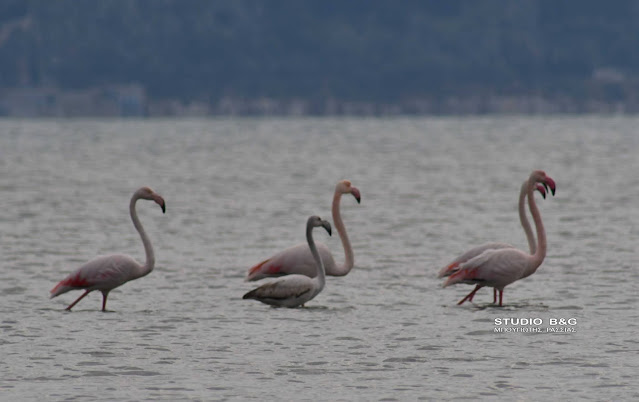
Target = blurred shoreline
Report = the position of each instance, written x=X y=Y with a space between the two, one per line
x=132 y=101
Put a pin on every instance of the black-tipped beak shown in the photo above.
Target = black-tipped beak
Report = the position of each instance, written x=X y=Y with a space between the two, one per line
x=326 y=225
x=160 y=201
x=541 y=190
x=356 y=194
x=551 y=184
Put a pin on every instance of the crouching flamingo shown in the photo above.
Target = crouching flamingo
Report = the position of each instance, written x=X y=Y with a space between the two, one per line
x=294 y=290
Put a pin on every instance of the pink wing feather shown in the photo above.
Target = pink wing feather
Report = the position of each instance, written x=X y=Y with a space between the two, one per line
x=106 y=272
x=496 y=268
x=294 y=260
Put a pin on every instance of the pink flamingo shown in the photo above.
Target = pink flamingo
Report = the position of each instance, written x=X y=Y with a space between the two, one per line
x=299 y=260
x=108 y=272
x=474 y=252
x=498 y=268
x=295 y=290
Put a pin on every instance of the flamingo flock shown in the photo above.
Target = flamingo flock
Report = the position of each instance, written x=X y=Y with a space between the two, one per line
x=300 y=271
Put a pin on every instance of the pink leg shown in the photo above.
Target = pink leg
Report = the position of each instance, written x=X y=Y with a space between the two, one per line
x=470 y=295
x=494 y=295
x=77 y=300
x=470 y=299
x=501 y=294
x=104 y=297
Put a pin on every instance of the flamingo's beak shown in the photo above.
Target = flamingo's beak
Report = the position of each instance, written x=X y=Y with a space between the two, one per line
x=551 y=183
x=356 y=194
x=326 y=225
x=541 y=190
x=160 y=201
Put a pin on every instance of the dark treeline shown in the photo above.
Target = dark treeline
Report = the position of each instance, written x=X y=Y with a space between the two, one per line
x=352 y=50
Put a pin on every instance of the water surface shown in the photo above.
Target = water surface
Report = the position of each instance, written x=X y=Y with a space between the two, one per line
x=239 y=190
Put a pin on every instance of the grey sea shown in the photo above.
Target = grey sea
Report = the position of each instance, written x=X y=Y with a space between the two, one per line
x=239 y=190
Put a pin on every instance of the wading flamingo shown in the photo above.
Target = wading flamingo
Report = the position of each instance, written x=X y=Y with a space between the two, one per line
x=298 y=259
x=107 y=272
x=498 y=268
x=474 y=252
x=294 y=290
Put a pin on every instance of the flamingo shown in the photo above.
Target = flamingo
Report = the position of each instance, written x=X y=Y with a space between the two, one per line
x=107 y=272
x=474 y=252
x=298 y=259
x=294 y=290
x=498 y=268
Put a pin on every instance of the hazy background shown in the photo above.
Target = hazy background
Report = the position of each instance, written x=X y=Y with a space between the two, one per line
x=200 y=57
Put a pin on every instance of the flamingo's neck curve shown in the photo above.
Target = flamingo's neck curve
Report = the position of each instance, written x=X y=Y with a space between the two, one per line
x=532 y=244
x=540 y=253
x=349 y=259
x=148 y=248
x=321 y=275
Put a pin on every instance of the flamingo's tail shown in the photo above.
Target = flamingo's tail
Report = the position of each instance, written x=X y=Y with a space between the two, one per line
x=448 y=269
x=255 y=272
x=69 y=283
x=462 y=275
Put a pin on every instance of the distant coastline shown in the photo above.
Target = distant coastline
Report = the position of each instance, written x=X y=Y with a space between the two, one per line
x=132 y=101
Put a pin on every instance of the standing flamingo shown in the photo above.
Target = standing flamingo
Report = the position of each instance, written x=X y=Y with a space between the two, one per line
x=298 y=259
x=474 y=252
x=498 y=268
x=295 y=290
x=108 y=272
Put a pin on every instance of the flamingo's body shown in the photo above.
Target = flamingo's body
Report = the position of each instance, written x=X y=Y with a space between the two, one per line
x=474 y=252
x=106 y=273
x=293 y=260
x=294 y=290
x=499 y=267
x=299 y=260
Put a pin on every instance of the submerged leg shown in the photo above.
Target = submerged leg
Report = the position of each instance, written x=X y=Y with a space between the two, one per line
x=77 y=300
x=470 y=295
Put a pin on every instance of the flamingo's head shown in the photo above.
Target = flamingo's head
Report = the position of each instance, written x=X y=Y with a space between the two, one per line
x=146 y=193
x=345 y=187
x=539 y=176
x=316 y=221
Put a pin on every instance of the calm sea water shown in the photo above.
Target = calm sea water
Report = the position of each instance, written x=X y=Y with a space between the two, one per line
x=239 y=190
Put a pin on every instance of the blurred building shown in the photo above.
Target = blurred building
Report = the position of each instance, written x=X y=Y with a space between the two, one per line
x=107 y=101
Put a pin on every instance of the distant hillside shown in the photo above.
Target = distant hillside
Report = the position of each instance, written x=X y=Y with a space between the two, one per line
x=376 y=51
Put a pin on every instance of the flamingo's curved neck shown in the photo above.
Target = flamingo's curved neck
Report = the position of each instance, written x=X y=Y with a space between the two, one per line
x=532 y=244
x=148 y=249
x=540 y=253
x=321 y=275
x=349 y=259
